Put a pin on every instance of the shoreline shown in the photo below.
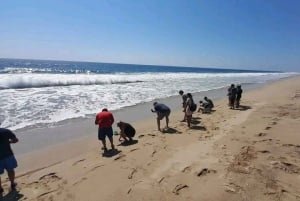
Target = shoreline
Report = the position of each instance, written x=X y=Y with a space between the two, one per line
x=38 y=142
x=39 y=138
x=231 y=154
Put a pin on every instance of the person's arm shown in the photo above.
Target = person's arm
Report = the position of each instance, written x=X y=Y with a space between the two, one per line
x=13 y=138
x=96 y=120
x=112 y=120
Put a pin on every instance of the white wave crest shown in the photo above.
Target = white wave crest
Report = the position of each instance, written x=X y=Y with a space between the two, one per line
x=25 y=80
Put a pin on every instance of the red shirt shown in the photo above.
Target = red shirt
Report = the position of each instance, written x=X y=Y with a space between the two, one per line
x=104 y=119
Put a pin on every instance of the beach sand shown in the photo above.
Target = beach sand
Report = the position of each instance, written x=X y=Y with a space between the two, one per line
x=252 y=153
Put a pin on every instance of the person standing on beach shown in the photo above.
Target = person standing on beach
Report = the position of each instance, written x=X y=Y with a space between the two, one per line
x=239 y=92
x=8 y=161
x=162 y=111
x=105 y=120
x=229 y=93
x=232 y=96
x=184 y=99
x=189 y=109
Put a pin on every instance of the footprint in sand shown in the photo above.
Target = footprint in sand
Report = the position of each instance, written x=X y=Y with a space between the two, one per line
x=264 y=151
x=75 y=163
x=261 y=134
x=178 y=188
x=119 y=157
x=285 y=166
x=205 y=171
x=134 y=170
x=81 y=180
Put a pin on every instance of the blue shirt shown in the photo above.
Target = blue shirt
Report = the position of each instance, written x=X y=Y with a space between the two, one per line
x=159 y=107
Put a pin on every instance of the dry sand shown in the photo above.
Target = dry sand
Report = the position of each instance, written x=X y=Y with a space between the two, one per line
x=248 y=154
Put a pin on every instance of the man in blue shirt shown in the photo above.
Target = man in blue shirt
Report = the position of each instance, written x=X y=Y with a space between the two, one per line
x=162 y=111
x=7 y=158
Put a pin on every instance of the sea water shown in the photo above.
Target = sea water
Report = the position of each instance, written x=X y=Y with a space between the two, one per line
x=42 y=93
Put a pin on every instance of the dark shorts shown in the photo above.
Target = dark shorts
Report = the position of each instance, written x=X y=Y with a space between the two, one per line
x=129 y=131
x=103 y=132
x=161 y=115
x=8 y=163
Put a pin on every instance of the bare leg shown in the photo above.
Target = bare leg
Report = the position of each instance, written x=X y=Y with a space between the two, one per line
x=189 y=119
x=111 y=142
x=104 y=144
x=158 y=123
x=167 y=121
x=11 y=177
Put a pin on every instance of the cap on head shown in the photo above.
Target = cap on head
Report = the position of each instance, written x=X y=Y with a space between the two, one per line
x=104 y=110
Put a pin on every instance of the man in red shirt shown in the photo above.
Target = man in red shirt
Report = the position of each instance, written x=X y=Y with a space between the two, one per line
x=105 y=120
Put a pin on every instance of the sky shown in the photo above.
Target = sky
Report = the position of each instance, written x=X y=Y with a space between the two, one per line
x=238 y=34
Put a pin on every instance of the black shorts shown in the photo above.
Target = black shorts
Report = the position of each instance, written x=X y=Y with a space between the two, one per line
x=103 y=132
x=129 y=131
x=161 y=115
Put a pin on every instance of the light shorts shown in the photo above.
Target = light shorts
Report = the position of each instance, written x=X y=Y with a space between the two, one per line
x=8 y=163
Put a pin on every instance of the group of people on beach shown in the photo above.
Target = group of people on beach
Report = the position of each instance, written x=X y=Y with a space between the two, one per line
x=234 y=96
x=105 y=120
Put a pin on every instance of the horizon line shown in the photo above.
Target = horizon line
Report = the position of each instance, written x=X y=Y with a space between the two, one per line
x=219 y=68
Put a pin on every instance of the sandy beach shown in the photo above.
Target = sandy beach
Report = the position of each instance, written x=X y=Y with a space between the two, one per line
x=251 y=153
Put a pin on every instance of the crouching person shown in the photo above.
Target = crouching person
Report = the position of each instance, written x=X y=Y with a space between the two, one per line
x=126 y=131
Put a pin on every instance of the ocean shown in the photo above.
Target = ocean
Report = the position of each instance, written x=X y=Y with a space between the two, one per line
x=42 y=93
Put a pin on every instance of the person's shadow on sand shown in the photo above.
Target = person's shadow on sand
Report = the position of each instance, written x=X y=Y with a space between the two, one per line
x=202 y=128
x=243 y=107
x=170 y=131
x=195 y=121
x=110 y=153
x=128 y=143
x=12 y=196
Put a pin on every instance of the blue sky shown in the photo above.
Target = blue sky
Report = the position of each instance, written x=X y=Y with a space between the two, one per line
x=253 y=34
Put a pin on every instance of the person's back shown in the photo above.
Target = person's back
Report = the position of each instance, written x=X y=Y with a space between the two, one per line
x=239 y=92
x=8 y=161
x=5 y=149
x=161 y=107
x=209 y=102
x=104 y=119
x=233 y=92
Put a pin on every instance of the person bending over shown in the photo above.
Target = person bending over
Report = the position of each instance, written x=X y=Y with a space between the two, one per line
x=126 y=131
x=162 y=111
